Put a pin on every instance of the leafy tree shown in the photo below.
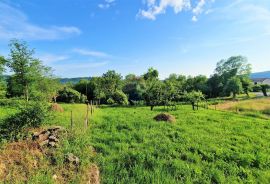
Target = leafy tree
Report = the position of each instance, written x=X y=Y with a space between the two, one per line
x=178 y=82
x=194 y=97
x=264 y=88
x=232 y=67
x=83 y=87
x=235 y=65
x=69 y=95
x=153 y=93
x=3 y=62
x=2 y=82
x=169 y=93
x=46 y=89
x=111 y=81
x=247 y=85
x=134 y=87
x=120 y=98
x=234 y=86
x=151 y=74
x=197 y=83
x=27 y=69
x=215 y=86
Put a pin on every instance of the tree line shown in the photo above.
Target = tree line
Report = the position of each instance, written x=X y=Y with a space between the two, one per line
x=31 y=80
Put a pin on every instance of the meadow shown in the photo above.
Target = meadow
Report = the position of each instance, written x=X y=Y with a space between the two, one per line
x=258 y=107
x=204 y=146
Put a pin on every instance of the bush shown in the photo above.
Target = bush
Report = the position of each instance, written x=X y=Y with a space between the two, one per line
x=69 y=95
x=120 y=98
x=30 y=115
x=11 y=102
x=110 y=101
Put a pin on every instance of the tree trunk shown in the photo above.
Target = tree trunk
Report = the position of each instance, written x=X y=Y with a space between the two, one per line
x=152 y=107
x=193 y=106
x=264 y=92
x=234 y=95
x=26 y=93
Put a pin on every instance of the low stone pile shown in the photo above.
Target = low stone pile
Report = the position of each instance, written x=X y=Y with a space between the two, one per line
x=72 y=159
x=48 y=137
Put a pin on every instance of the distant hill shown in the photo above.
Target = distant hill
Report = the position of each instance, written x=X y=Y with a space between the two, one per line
x=72 y=80
x=260 y=75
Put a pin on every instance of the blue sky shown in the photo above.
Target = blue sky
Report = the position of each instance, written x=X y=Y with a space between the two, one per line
x=88 y=37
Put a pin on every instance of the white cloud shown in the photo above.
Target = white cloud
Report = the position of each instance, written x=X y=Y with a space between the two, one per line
x=194 y=18
x=51 y=58
x=154 y=8
x=157 y=7
x=15 y=24
x=199 y=8
x=107 y=4
x=91 y=53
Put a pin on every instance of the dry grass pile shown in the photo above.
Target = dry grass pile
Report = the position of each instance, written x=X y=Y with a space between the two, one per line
x=165 y=117
x=57 y=108
x=19 y=160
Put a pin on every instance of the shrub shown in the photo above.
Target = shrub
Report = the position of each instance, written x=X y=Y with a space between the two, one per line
x=30 y=115
x=11 y=102
x=110 y=101
x=69 y=95
x=120 y=98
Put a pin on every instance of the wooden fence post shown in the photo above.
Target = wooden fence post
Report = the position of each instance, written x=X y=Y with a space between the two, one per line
x=91 y=107
x=86 y=118
x=71 y=119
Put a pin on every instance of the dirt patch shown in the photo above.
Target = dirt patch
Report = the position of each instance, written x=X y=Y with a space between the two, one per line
x=94 y=177
x=57 y=108
x=19 y=160
x=165 y=117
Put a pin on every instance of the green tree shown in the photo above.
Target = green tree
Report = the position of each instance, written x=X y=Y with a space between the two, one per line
x=153 y=93
x=264 y=88
x=134 y=87
x=27 y=69
x=120 y=97
x=111 y=81
x=194 y=97
x=2 y=82
x=234 y=86
x=215 y=86
x=69 y=95
x=151 y=74
x=235 y=65
x=247 y=84
x=232 y=67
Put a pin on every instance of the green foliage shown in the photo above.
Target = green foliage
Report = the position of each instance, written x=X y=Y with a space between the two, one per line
x=194 y=97
x=111 y=81
x=153 y=93
x=28 y=71
x=151 y=74
x=234 y=86
x=11 y=102
x=110 y=101
x=30 y=115
x=69 y=95
x=246 y=84
x=134 y=87
x=120 y=98
x=264 y=88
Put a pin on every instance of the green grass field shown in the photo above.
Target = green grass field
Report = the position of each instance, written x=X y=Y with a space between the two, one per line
x=204 y=146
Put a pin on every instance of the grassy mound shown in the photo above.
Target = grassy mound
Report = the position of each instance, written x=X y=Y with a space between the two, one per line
x=165 y=117
x=57 y=108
